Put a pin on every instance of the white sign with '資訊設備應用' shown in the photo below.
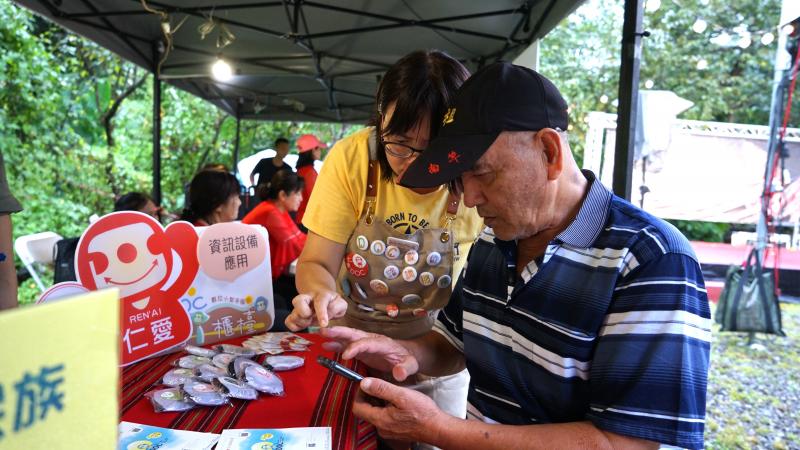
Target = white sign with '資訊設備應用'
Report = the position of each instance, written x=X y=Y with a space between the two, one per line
x=232 y=293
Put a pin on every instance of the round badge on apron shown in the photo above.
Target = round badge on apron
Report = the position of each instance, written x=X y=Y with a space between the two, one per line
x=426 y=278
x=392 y=252
x=365 y=308
x=360 y=291
x=444 y=281
x=412 y=299
x=377 y=248
x=434 y=258
x=356 y=265
x=392 y=310
x=409 y=274
x=380 y=287
x=362 y=242
x=411 y=257
x=391 y=272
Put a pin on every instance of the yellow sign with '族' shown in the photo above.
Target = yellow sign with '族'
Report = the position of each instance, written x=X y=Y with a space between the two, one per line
x=59 y=376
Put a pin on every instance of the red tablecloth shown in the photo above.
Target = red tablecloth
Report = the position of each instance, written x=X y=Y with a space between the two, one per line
x=315 y=397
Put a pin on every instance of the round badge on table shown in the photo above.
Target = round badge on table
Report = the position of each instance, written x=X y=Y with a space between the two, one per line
x=411 y=257
x=365 y=308
x=360 y=291
x=426 y=278
x=377 y=248
x=392 y=310
x=434 y=258
x=380 y=287
x=444 y=281
x=391 y=272
x=409 y=274
x=362 y=243
x=419 y=312
x=356 y=265
x=412 y=299
x=392 y=252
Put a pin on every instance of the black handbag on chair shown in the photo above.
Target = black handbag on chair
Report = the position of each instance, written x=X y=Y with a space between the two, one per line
x=64 y=269
x=748 y=302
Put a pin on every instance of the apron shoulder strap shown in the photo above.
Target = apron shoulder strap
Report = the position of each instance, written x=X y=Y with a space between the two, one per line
x=452 y=203
x=372 y=178
x=372 y=172
x=450 y=215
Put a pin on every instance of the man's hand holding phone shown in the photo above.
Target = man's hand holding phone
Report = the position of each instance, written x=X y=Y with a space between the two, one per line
x=375 y=350
x=351 y=375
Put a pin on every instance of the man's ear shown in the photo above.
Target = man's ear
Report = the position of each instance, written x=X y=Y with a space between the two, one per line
x=552 y=148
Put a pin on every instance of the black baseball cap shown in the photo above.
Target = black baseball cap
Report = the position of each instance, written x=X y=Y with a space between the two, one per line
x=500 y=97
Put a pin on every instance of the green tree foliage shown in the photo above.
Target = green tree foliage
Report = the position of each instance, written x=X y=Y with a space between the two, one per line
x=76 y=129
x=736 y=86
x=582 y=55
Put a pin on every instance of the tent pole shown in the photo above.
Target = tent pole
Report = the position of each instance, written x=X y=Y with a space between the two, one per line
x=236 y=146
x=156 y=133
x=157 y=47
x=628 y=97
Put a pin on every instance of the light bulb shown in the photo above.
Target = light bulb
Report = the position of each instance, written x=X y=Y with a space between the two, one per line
x=648 y=84
x=604 y=99
x=702 y=64
x=221 y=70
x=767 y=38
x=699 y=26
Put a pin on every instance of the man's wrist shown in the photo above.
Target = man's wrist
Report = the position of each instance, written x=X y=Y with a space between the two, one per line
x=439 y=433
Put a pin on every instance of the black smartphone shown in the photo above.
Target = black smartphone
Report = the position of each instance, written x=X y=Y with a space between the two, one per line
x=350 y=375
x=339 y=369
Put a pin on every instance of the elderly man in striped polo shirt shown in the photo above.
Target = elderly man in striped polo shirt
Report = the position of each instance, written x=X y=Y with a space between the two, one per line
x=582 y=319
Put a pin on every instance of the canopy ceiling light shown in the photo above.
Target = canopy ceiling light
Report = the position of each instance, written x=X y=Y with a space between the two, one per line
x=221 y=70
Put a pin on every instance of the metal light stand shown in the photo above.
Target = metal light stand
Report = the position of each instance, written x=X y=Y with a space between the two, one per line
x=779 y=94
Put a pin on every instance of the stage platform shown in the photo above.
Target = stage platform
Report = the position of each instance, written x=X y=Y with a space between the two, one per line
x=715 y=258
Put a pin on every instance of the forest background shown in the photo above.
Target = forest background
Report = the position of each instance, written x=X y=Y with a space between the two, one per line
x=75 y=119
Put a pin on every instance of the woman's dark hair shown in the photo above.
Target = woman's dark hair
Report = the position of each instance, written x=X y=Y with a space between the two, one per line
x=283 y=180
x=424 y=81
x=132 y=201
x=215 y=166
x=208 y=190
x=305 y=159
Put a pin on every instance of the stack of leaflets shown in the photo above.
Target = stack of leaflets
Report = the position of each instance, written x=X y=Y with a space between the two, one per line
x=276 y=343
x=317 y=438
x=134 y=436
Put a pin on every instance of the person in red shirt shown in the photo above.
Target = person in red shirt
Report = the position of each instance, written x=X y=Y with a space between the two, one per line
x=310 y=149
x=282 y=195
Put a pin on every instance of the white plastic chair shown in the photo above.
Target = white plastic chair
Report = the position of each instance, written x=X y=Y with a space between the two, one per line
x=36 y=249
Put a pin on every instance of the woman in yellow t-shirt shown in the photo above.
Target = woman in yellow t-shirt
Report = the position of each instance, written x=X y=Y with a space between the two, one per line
x=381 y=257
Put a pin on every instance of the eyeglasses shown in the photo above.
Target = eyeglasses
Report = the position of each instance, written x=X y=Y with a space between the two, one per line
x=400 y=150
